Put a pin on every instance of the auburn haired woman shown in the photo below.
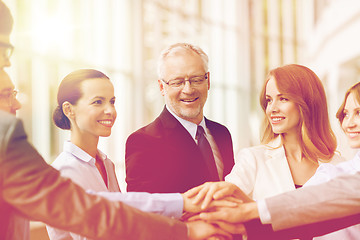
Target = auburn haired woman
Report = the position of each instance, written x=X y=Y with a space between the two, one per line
x=297 y=135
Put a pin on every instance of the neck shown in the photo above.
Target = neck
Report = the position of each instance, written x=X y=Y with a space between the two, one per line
x=292 y=147
x=88 y=144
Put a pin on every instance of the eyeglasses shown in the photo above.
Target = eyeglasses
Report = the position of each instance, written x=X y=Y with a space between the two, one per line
x=9 y=96
x=7 y=49
x=194 y=81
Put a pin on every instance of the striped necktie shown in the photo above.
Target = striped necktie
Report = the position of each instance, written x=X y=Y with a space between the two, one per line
x=207 y=153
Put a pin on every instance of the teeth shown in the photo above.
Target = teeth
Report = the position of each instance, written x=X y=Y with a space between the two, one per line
x=276 y=119
x=191 y=100
x=106 y=122
x=353 y=134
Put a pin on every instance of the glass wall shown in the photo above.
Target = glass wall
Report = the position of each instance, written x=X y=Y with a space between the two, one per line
x=123 y=38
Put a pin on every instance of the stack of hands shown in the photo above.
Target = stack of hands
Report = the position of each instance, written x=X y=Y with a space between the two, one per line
x=216 y=210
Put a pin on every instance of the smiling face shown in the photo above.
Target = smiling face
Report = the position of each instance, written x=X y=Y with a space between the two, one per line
x=94 y=113
x=187 y=101
x=282 y=113
x=351 y=122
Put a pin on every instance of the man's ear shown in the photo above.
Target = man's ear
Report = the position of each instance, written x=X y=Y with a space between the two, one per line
x=68 y=110
x=161 y=87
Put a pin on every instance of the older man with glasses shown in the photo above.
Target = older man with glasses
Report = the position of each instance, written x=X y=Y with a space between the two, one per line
x=181 y=148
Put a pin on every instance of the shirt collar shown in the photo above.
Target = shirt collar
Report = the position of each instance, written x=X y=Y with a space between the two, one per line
x=189 y=126
x=356 y=160
x=81 y=154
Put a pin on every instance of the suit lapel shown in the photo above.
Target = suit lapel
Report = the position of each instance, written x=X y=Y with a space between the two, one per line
x=179 y=139
x=278 y=165
x=175 y=132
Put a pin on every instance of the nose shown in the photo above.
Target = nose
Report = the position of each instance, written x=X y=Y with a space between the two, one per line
x=349 y=122
x=187 y=87
x=15 y=105
x=272 y=106
x=110 y=109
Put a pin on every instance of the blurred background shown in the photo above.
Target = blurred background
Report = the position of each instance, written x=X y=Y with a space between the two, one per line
x=123 y=38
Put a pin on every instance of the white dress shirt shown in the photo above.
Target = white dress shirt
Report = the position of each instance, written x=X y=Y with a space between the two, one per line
x=79 y=166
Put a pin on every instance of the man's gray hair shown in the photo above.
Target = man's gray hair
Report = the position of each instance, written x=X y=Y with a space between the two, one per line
x=173 y=48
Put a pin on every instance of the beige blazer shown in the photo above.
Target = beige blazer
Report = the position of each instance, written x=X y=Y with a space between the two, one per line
x=335 y=199
x=262 y=171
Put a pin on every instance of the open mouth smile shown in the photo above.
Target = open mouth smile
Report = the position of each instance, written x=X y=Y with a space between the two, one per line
x=276 y=119
x=353 y=134
x=107 y=123
x=189 y=100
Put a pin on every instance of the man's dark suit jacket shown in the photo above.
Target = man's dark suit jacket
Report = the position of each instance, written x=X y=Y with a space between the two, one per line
x=162 y=157
x=33 y=189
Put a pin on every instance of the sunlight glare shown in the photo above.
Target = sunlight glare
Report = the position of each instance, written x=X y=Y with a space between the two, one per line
x=51 y=34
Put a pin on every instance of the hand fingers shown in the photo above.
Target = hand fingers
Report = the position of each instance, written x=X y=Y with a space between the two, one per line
x=202 y=193
x=228 y=189
x=218 y=238
x=214 y=190
x=224 y=192
x=233 y=199
x=230 y=215
x=223 y=203
x=194 y=218
x=192 y=192
x=238 y=228
x=209 y=196
x=221 y=232
x=188 y=215
x=213 y=216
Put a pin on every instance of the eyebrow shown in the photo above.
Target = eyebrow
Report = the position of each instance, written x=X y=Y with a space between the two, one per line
x=188 y=76
x=97 y=97
x=102 y=98
x=278 y=95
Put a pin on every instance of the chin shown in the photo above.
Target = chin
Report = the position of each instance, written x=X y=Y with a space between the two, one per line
x=277 y=131
x=105 y=134
x=355 y=145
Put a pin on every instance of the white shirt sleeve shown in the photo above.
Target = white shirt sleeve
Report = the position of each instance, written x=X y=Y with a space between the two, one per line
x=264 y=213
x=167 y=204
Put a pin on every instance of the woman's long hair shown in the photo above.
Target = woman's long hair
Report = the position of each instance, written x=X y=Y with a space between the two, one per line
x=303 y=87
x=355 y=90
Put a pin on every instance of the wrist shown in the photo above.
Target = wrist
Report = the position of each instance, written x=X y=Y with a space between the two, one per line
x=185 y=205
x=251 y=211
